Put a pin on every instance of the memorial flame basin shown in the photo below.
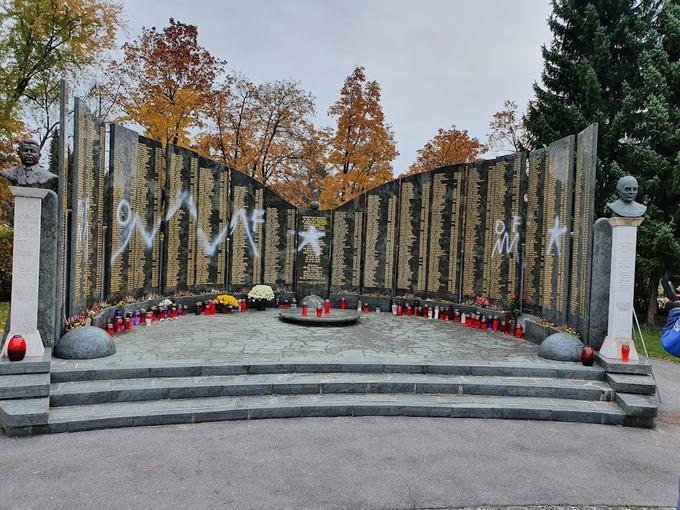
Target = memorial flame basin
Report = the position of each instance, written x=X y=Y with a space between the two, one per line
x=335 y=318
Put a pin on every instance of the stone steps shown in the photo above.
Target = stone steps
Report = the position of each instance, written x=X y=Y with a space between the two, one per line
x=86 y=372
x=158 y=388
x=24 y=390
x=161 y=412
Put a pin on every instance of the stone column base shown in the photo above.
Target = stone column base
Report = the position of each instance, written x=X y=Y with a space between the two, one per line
x=611 y=348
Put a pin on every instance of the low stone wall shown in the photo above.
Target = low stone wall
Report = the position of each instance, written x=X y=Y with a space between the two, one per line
x=536 y=333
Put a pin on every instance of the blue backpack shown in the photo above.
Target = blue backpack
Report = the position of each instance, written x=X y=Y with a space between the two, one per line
x=670 y=339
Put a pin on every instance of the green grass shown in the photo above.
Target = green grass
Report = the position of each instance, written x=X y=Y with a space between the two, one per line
x=4 y=314
x=652 y=336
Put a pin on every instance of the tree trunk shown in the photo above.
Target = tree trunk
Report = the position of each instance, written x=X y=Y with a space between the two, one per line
x=653 y=289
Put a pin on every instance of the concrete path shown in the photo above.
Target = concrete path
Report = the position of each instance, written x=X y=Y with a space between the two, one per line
x=364 y=463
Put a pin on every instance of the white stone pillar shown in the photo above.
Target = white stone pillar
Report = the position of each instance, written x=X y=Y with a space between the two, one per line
x=26 y=269
x=621 y=287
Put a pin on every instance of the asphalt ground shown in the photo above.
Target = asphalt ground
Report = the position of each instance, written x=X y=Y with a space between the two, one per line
x=362 y=463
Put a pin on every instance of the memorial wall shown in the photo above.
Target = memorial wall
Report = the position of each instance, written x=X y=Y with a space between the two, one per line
x=491 y=227
x=87 y=198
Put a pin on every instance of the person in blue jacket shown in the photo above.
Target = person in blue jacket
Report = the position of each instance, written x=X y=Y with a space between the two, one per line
x=670 y=338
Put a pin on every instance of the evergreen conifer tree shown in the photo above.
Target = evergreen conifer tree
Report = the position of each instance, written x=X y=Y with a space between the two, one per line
x=615 y=62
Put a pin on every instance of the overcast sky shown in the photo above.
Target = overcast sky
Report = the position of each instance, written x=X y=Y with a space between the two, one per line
x=438 y=62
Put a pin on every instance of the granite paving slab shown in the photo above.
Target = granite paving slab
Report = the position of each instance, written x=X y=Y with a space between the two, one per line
x=255 y=337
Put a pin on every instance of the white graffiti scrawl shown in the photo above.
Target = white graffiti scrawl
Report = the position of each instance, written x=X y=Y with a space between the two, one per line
x=556 y=234
x=130 y=222
x=311 y=237
x=504 y=245
x=256 y=218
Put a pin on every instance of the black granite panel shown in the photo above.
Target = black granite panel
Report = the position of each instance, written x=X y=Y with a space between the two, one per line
x=446 y=210
x=557 y=210
x=533 y=229
x=413 y=234
x=279 y=242
x=181 y=219
x=87 y=198
x=313 y=252
x=584 y=216
x=212 y=229
x=473 y=237
x=347 y=246
x=380 y=239
x=502 y=243
x=246 y=232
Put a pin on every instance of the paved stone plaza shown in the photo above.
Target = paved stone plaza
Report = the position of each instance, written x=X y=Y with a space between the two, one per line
x=261 y=336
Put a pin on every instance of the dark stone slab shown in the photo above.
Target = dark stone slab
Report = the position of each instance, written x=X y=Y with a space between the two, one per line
x=86 y=342
x=643 y=367
x=313 y=252
x=638 y=405
x=48 y=301
x=561 y=347
x=631 y=383
x=599 y=282
x=347 y=246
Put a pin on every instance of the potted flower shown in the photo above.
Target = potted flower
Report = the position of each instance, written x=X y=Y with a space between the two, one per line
x=260 y=294
x=226 y=303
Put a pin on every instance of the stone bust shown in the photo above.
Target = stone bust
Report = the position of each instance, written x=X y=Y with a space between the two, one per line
x=626 y=206
x=29 y=173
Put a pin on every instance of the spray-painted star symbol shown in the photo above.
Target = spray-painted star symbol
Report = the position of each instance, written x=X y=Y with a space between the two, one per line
x=311 y=237
x=556 y=234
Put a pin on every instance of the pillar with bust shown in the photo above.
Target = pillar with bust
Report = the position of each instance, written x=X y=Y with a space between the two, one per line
x=627 y=215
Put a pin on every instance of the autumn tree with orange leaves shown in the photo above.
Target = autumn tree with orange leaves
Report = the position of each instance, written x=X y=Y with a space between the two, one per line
x=263 y=130
x=164 y=81
x=363 y=147
x=448 y=147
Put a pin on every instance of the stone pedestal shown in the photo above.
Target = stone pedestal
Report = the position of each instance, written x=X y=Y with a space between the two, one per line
x=26 y=269
x=621 y=286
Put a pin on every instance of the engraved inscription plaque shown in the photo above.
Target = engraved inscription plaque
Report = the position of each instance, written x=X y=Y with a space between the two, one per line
x=533 y=228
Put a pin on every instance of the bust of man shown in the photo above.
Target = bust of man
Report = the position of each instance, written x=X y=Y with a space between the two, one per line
x=29 y=173
x=626 y=206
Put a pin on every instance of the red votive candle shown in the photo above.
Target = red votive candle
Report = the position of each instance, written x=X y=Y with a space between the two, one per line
x=243 y=305
x=365 y=308
x=495 y=324
x=118 y=327
x=343 y=303
x=109 y=328
x=286 y=304
x=128 y=324
x=304 y=309
x=625 y=353
x=327 y=306
x=519 y=331
x=319 y=311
